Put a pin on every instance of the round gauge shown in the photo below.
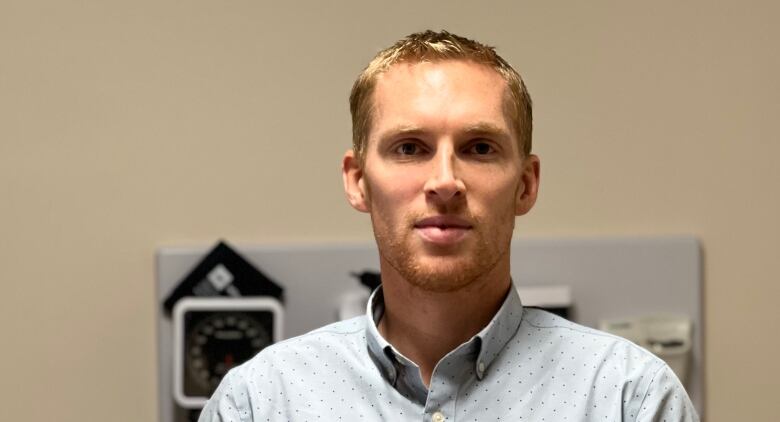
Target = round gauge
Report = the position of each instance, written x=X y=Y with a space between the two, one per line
x=219 y=341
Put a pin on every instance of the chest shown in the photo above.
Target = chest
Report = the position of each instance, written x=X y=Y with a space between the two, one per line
x=509 y=396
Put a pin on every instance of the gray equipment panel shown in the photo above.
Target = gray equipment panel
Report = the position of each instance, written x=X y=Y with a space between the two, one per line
x=609 y=278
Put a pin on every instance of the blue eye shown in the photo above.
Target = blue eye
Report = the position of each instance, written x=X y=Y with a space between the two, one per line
x=481 y=148
x=408 y=148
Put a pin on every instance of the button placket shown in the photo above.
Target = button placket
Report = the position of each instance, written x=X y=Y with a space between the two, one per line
x=444 y=385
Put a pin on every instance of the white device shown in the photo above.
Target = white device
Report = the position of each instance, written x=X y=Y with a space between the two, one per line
x=668 y=336
x=353 y=303
x=214 y=334
x=553 y=296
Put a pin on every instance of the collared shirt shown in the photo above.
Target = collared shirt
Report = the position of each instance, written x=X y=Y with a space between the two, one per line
x=525 y=365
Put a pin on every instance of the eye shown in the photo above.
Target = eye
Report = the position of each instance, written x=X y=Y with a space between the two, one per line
x=408 y=148
x=481 y=148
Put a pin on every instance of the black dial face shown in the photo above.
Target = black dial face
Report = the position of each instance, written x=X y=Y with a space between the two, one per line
x=216 y=341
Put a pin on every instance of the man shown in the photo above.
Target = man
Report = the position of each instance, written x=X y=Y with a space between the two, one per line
x=442 y=162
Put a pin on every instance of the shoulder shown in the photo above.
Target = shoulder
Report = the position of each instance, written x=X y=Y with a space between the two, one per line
x=647 y=387
x=570 y=336
x=271 y=373
x=608 y=354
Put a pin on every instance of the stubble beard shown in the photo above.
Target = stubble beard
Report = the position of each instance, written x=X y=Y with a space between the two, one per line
x=442 y=273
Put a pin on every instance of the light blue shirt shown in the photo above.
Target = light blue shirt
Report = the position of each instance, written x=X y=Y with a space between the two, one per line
x=525 y=365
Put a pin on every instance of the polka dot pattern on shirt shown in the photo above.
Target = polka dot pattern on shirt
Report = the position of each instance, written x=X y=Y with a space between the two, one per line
x=526 y=365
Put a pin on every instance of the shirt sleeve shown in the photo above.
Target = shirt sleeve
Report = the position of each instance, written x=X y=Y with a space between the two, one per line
x=225 y=405
x=666 y=400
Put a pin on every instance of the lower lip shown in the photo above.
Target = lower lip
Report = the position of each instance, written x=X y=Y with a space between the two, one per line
x=441 y=236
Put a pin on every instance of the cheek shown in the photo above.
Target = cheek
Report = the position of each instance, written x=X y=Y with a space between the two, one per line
x=397 y=186
x=494 y=188
x=392 y=195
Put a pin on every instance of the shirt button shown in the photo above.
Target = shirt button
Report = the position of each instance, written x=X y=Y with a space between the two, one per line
x=481 y=367
x=438 y=417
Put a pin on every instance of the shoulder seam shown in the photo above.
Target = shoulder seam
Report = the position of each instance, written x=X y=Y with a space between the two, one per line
x=318 y=331
x=594 y=332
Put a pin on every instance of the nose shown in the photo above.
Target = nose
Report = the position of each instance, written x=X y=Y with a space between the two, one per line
x=444 y=183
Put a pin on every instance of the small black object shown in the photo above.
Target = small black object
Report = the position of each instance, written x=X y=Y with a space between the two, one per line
x=369 y=279
x=223 y=272
x=665 y=343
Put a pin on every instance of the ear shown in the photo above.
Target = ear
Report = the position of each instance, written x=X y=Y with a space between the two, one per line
x=525 y=198
x=354 y=184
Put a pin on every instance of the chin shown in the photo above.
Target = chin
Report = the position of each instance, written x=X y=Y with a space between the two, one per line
x=442 y=274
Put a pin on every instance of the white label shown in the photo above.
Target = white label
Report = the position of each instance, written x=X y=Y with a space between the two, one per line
x=220 y=277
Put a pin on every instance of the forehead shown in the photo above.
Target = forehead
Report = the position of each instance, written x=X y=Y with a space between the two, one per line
x=443 y=92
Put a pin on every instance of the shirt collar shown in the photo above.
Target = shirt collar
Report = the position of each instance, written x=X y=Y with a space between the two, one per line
x=379 y=349
x=488 y=342
x=498 y=332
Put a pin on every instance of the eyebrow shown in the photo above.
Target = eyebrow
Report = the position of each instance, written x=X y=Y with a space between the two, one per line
x=478 y=129
x=401 y=130
x=487 y=130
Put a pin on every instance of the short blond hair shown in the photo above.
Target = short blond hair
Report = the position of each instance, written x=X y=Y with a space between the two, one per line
x=431 y=46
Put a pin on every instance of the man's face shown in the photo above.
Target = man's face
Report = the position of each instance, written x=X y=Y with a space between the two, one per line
x=443 y=177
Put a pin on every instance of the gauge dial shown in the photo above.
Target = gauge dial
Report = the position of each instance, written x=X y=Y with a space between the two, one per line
x=216 y=341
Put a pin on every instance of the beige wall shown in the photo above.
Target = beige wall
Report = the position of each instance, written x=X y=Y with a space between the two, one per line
x=131 y=125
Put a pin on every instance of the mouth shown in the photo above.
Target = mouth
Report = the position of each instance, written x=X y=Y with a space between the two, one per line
x=443 y=229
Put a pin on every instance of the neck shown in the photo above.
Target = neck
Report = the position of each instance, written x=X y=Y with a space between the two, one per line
x=424 y=326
